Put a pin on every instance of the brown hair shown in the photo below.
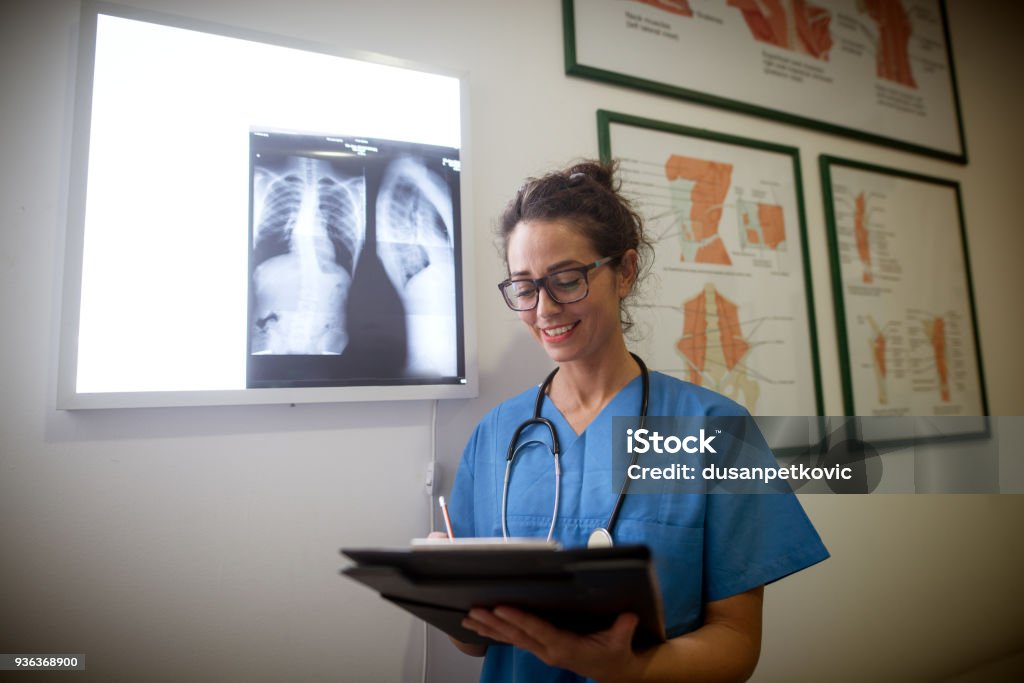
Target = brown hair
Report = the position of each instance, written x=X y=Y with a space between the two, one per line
x=585 y=195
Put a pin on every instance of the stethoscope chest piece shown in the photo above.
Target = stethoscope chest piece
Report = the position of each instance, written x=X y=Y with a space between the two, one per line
x=599 y=538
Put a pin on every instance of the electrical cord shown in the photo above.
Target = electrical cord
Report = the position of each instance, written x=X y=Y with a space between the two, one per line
x=430 y=516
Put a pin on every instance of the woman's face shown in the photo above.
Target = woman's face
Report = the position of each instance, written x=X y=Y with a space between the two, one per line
x=568 y=332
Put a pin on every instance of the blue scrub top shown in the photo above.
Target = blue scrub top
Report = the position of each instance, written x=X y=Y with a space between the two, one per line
x=705 y=547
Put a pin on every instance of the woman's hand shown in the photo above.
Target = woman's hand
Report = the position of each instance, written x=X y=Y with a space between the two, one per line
x=605 y=655
x=725 y=649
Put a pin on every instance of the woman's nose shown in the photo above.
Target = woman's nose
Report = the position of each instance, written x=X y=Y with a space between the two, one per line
x=546 y=305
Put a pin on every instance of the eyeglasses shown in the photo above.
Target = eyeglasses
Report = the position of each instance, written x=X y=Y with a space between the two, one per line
x=564 y=286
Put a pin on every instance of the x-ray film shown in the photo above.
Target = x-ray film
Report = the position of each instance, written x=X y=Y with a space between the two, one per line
x=353 y=272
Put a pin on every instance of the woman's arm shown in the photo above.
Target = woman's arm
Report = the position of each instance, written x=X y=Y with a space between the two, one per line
x=725 y=648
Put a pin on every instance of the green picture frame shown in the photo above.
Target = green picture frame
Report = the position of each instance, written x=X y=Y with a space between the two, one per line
x=732 y=304
x=832 y=78
x=906 y=319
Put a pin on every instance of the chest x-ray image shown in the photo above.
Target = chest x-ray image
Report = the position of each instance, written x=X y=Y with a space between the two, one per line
x=353 y=273
x=308 y=232
x=415 y=241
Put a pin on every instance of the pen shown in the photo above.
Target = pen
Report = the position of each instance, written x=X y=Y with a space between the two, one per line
x=447 y=519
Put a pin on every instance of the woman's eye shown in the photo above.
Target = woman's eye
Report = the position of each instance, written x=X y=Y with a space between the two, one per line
x=567 y=285
x=525 y=291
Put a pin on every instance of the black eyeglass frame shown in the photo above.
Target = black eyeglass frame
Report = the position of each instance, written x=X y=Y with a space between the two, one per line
x=542 y=282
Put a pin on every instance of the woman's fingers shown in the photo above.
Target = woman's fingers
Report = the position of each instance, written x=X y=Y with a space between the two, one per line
x=552 y=645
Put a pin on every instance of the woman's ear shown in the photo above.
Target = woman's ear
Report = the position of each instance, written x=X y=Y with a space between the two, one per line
x=628 y=267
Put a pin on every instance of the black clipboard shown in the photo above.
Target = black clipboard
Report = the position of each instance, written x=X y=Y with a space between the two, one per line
x=579 y=590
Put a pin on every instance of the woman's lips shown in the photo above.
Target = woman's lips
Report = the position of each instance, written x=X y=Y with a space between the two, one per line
x=559 y=333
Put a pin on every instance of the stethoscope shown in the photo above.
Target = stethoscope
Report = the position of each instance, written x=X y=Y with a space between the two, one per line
x=600 y=537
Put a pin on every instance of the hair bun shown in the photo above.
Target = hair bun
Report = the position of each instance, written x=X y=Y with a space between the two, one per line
x=601 y=173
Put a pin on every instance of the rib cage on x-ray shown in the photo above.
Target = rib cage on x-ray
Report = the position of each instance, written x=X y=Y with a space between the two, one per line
x=308 y=231
x=339 y=209
x=324 y=225
x=280 y=207
x=413 y=212
x=415 y=242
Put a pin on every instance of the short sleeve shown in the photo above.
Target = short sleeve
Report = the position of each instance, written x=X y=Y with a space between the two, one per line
x=461 y=508
x=752 y=539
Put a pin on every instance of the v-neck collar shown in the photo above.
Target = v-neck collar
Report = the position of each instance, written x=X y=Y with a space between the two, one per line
x=551 y=411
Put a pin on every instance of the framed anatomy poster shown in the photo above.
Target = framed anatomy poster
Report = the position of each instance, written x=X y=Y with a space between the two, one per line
x=730 y=305
x=876 y=70
x=904 y=303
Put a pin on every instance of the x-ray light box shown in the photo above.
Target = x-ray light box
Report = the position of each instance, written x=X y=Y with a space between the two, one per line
x=255 y=220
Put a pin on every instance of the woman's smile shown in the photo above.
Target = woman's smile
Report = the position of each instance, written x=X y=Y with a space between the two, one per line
x=557 y=334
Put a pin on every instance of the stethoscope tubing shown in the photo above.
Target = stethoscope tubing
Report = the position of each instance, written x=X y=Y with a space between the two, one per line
x=645 y=376
x=513 y=450
x=504 y=489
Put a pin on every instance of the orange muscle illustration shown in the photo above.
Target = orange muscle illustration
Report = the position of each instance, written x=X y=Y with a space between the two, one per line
x=892 y=58
x=791 y=24
x=860 y=232
x=936 y=331
x=700 y=204
x=714 y=346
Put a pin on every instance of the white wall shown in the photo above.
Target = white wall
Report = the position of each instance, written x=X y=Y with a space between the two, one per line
x=200 y=544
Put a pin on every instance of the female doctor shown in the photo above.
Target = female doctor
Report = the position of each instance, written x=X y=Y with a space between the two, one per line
x=574 y=248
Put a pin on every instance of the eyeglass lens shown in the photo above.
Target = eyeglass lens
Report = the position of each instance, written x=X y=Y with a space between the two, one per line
x=565 y=288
